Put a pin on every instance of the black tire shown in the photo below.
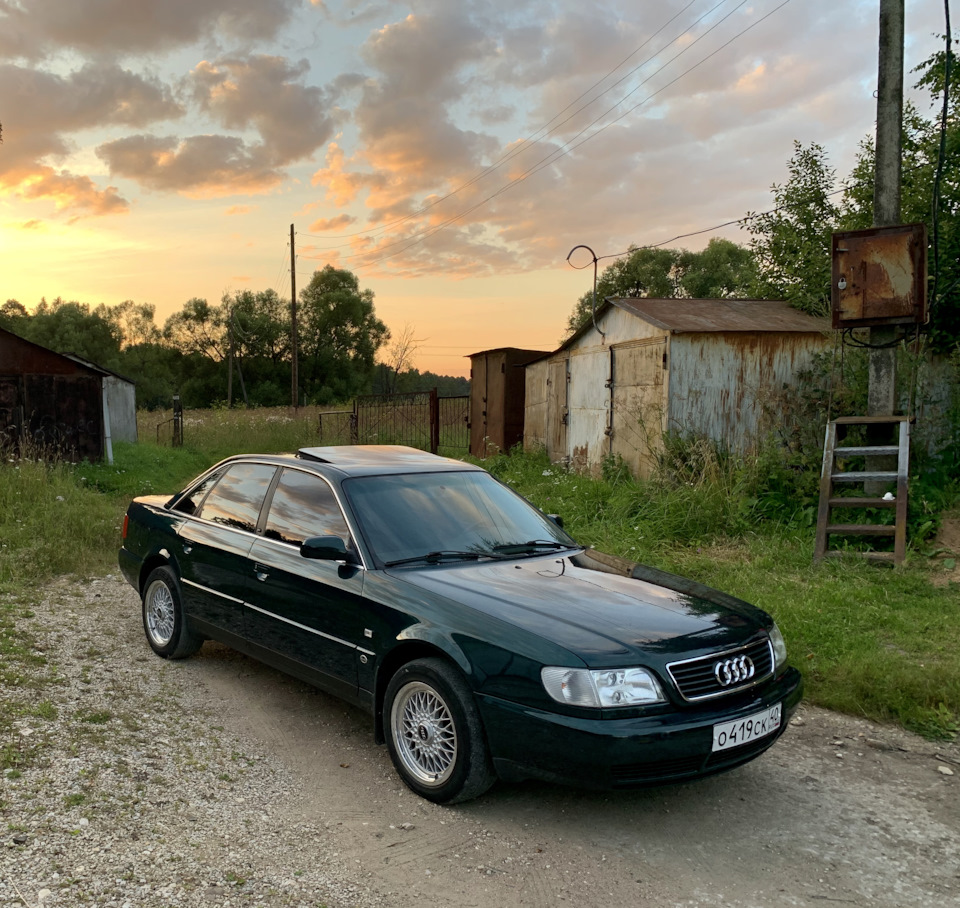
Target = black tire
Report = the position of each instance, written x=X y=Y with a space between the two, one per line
x=163 y=620
x=434 y=733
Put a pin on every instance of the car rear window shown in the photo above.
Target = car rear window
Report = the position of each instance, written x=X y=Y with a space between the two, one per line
x=236 y=499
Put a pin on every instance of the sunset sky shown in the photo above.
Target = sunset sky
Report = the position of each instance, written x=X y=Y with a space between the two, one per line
x=450 y=152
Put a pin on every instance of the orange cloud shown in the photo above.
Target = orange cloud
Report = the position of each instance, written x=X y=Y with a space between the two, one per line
x=342 y=186
x=67 y=191
x=234 y=210
x=199 y=167
x=326 y=225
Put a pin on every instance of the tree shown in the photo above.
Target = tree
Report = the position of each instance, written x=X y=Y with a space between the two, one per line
x=260 y=321
x=339 y=336
x=198 y=328
x=259 y=336
x=135 y=321
x=722 y=269
x=397 y=361
x=11 y=310
x=71 y=327
x=791 y=243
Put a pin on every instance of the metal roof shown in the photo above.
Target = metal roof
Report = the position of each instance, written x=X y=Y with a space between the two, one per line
x=694 y=316
x=517 y=350
x=683 y=316
x=77 y=358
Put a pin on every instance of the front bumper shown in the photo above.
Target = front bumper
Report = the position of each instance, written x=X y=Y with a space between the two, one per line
x=626 y=753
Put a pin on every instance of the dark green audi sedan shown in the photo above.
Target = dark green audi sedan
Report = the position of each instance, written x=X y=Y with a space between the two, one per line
x=484 y=641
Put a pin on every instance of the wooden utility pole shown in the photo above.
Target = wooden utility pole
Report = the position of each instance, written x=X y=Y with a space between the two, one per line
x=230 y=360
x=881 y=392
x=294 y=379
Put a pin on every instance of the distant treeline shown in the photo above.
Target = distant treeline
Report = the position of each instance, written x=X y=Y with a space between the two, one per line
x=248 y=334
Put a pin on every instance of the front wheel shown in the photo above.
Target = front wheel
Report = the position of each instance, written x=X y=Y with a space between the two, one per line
x=163 y=619
x=434 y=733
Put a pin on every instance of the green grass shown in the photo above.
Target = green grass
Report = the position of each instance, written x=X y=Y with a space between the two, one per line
x=873 y=641
x=220 y=433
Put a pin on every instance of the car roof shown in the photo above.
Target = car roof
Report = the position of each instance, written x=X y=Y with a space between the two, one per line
x=365 y=460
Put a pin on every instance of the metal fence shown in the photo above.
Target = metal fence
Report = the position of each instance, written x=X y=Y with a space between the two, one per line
x=420 y=419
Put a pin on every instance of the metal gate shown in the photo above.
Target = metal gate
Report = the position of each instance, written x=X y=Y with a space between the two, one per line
x=420 y=419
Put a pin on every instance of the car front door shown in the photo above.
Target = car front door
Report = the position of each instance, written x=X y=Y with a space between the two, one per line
x=306 y=611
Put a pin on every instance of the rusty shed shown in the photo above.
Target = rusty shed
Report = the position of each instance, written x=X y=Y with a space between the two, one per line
x=651 y=366
x=497 y=398
x=52 y=400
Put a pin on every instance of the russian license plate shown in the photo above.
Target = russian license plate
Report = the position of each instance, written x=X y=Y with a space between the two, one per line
x=743 y=731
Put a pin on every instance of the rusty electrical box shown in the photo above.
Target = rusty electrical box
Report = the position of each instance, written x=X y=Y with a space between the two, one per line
x=880 y=276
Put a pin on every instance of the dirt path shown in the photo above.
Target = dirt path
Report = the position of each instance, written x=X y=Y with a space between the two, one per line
x=841 y=811
x=216 y=781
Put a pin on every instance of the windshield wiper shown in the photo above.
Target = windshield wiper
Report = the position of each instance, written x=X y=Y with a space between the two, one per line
x=534 y=545
x=442 y=555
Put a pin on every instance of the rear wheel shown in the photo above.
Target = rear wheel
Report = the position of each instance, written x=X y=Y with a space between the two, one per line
x=434 y=733
x=163 y=619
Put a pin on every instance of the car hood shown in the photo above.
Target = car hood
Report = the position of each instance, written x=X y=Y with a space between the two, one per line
x=593 y=612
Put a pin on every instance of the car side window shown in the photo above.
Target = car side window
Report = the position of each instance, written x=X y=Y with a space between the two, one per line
x=194 y=498
x=236 y=499
x=304 y=506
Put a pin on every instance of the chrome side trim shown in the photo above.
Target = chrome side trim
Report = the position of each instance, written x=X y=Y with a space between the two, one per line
x=303 y=627
x=213 y=592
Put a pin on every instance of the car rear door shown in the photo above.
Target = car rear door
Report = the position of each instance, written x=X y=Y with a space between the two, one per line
x=215 y=544
x=307 y=611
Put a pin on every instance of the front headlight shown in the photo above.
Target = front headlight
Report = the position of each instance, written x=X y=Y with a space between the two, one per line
x=779 y=648
x=609 y=687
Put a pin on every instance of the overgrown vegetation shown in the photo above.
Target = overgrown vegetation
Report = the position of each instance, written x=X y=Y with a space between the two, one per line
x=873 y=641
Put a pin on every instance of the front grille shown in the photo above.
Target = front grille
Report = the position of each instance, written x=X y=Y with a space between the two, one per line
x=696 y=679
x=627 y=774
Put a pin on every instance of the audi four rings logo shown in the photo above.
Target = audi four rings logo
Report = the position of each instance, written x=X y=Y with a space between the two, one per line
x=734 y=671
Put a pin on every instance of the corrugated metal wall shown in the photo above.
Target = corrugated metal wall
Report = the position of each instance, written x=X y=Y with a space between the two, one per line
x=617 y=397
x=721 y=382
x=588 y=406
x=497 y=398
x=639 y=401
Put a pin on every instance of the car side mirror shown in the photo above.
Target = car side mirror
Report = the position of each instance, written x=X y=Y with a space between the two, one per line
x=557 y=519
x=325 y=548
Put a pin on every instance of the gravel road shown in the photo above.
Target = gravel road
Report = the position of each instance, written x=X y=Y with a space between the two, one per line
x=218 y=782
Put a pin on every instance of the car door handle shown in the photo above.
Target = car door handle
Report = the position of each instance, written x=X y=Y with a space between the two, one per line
x=261 y=572
x=187 y=549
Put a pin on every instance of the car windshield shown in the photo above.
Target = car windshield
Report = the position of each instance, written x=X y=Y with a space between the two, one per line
x=434 y=516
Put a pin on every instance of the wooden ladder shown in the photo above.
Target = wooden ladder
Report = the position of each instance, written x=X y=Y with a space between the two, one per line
x=830 y=476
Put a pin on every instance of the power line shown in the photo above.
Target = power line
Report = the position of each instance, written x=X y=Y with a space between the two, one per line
x=746 y=218
x=554 y=155
x=533 y=137
x=568 y=147
x=280 y=274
